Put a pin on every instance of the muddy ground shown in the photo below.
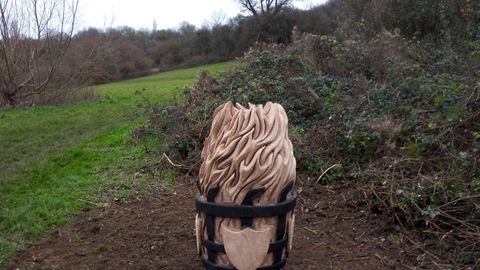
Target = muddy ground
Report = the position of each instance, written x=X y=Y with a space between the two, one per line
x=337 y=227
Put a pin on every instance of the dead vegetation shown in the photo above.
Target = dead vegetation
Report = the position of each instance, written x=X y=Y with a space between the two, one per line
x=382 y=115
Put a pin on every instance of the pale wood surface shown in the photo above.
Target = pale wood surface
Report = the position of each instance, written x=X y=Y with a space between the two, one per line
x=247 y=148
x=250 y=246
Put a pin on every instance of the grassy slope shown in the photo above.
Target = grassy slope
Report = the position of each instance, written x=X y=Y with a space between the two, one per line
x=50 y=157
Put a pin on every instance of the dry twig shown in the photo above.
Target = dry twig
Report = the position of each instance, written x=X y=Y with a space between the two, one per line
x=374 y=193
x=310 y=230
x=331 y=167
x=175 y=165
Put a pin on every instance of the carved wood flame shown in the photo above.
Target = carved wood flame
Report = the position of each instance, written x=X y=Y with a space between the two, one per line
x=246 y=149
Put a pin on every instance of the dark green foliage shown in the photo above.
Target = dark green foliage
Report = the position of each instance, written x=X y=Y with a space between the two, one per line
x=394 y=109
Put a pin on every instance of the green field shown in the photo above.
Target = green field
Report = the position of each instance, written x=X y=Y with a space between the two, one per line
x=54 y=160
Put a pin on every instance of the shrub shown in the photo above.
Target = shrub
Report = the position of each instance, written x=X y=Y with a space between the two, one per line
x=398 y=114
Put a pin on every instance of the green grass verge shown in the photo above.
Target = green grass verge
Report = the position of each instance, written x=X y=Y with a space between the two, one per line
x=160 y=86
x=55 y=159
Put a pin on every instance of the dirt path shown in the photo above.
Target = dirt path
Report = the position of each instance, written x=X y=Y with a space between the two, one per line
x=335 y=229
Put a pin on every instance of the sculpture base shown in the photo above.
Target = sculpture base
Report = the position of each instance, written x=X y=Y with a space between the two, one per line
x=212 y=266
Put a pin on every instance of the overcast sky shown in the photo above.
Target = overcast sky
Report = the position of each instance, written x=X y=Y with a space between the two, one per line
x=167 y=13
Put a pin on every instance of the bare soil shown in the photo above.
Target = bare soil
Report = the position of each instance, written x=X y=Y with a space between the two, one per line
x=336 y=228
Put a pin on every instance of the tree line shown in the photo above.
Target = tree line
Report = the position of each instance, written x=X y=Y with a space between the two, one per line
x=95 y=56
x=136 y=52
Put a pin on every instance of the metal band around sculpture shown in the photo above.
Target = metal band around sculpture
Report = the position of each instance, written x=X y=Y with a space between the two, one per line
x=245 y=211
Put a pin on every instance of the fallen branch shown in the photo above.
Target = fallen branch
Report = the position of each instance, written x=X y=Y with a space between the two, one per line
x=331 y=167
x=374 y=193
x=420 y=247
x=391 y=185
x=175 y=165
x=310 y=230
x=461 y=121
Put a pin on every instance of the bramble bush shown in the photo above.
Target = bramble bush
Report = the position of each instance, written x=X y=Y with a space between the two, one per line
x=394 y=109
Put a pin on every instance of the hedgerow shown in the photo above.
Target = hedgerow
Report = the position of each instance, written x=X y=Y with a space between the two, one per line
x=397 y=112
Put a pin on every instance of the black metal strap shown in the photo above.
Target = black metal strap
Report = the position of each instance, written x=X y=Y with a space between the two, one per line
x=278 y=245
x=210 y=222
x=248 y=200
x=245 y=211
x=213 y=246
x=212 y=266
x=282 y=221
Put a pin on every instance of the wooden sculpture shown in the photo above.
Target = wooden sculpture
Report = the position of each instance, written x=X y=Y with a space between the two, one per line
x=246 y=202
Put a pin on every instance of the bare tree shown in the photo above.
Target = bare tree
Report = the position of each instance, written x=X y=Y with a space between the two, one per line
x=35 y=35
x=186 y=29
x=218 y=17
x=267 y=14
x=257 y=7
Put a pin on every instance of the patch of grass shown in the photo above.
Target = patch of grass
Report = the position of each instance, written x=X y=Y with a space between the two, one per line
x=53 y=160
x=78 y=240
x=33 y=133
x=101 y=249
x=41 y=194
x=163 y=86
x=169 y=177
x=7 y=248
